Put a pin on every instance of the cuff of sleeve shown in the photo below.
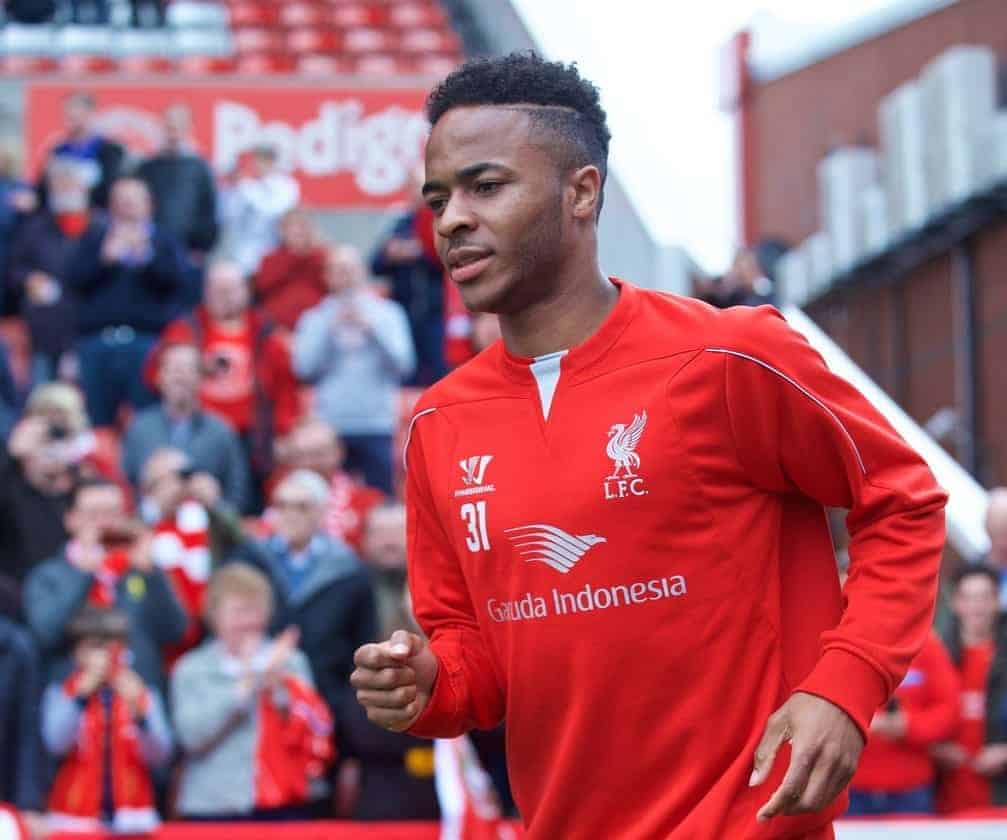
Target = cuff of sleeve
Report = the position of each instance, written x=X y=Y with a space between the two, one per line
x=847 y=681
x=437 y=720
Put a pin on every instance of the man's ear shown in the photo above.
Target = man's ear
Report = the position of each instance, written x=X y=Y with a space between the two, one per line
x=585 y=186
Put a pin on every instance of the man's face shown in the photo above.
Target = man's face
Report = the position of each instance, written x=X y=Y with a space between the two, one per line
x=226 y=294
x=77 y=113
x=67 y=190
x=163 y=482
x=130 y=202
x=240 y=622
x=96 y=510
x=298 y=515
x=497 y=194
x=316 y=447
x=975 y=602
x=384 y=542
x=179 y=374
x=297 y=232
x=344 y=270
x=176 y=126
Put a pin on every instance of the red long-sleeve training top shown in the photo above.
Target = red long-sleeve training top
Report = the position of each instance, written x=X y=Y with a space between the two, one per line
x=623 y=550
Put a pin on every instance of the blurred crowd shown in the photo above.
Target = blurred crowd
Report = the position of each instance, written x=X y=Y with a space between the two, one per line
x=142 y=12
x=200 y=514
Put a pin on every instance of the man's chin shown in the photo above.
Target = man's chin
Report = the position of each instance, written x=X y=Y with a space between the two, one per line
x=483 y=295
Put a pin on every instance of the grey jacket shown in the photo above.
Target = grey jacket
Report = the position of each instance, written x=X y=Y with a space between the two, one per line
x=356 y=373
x=212 y=446
x=217 y=731
x=56 y=590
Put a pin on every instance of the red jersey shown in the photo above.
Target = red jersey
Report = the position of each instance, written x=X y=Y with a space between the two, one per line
x=623 y=550
x=928 y=697
x=963 y=788
x=228 y=388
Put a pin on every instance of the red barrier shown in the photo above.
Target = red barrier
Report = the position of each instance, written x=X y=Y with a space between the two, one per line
x=286 y=831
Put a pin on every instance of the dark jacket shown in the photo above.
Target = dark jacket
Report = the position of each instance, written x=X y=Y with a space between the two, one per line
x=996 y=695
x=20 y=696
x=108 y=154
x=185 y=198
x=334 y=609
x=212 y=447
x=143 y=296
x=40 y=245
x=56 y=590
x=31 y=523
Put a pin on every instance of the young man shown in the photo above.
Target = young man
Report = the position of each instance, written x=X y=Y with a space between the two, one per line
x=616 y=533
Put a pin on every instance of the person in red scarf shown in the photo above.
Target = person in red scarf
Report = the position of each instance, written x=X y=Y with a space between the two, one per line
x=257 y=736
x=39 y=255
x=291 y=279
x=108 y=728
x=314 y=445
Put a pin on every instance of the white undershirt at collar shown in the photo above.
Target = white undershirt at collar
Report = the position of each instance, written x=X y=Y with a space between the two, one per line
x=546 y=370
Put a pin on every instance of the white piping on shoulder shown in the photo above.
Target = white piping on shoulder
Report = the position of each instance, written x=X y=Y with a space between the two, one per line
x=409 y=433
x=800 y=388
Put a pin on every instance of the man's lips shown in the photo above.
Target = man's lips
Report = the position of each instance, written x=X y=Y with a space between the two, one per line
x=466 y=263
x=470 y=270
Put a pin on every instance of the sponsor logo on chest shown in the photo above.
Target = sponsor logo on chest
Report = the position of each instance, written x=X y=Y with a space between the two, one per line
x=623 y=439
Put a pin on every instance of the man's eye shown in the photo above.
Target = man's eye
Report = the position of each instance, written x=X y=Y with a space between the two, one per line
x=485 y=187
x=436 y=204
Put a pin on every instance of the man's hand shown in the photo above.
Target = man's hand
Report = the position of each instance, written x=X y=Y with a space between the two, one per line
x=890 y=725
x=949 y=755
x=130 y=687
x=394 y=679
x=992 y=760
x=825 y=747
x=205 y=489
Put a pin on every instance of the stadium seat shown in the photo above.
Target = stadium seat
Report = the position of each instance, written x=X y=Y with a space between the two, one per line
x=143 y=42
x=203 y=42
x=412 y=15
x=265 y=64
x=347 y=15
x=434 y=66
x=184 y=14
x=140 y=64
x=367 y=39
x=28 y=65
x=79 y=64
x=313 y=41
x=254 y=14
x=314 y=64
x=377 y=64
x=86 y=40
x=258 y=40
x=429 y=41
x=19 y=39
x=302 y=14
x=205 y=65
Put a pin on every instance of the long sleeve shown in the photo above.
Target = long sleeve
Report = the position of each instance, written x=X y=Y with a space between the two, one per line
x=799 y=429
x=281 y=384
x=204 y=235
x=236 y=481
x=312 y=345
x=156 y=742
x=53 y=593
x=201 y=714
x=28 y=794
x=60 y=719
x=165 y=619
x=166 y=269
x=466 y=693
x=84 y=268
x=391 y=333
x=939 y=718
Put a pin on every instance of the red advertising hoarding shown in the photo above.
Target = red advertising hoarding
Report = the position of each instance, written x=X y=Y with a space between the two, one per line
x=348 y=148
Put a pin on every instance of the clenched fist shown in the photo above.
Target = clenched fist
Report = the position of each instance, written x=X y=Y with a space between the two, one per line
x=394 y=679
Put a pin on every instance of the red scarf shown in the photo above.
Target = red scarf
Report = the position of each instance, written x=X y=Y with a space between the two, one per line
x=72 y=224
x=113 y=566
x=78 y=786
x=295 y=745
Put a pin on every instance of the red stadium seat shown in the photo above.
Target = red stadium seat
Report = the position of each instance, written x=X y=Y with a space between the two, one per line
x=302 y=14
x=266 y=64
x=377 y=64
x=254 y=14
x=429 y=41
x=411 y=15
x=258 y=40
x=314 y=64
x=86 y=64
x=199 y=65
x=365 y=39
x=434 y=66
x=28 y=65
x=139 y=64
x=313 y=41
x=347 y=15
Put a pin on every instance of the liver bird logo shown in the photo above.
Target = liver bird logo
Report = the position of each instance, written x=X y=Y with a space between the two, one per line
x=622 y=442
x=551 y=545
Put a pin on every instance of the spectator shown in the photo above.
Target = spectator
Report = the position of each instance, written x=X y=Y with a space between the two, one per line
x=17 y=199
x=408 y=258
x=314 y=445
x=388 y=775
x=107 y=562
x=247 y=375
x=130 y=281
x=109 y=729
x=897 y=771
x=178 y=422
x=251 y=208
x=195 y=532
x=102 y=159
x=257 y=737
x=185 y=197
x=996 y=527
x=30 y=11
x=20 y=768
x=324 y=589
x=291 y=279
x=41 y=256
x=354 y=347
x=974 y=764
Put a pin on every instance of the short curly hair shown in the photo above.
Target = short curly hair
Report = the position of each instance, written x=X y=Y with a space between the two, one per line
x=558 y=98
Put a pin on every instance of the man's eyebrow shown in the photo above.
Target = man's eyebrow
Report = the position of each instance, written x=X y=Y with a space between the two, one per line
x=466 y=174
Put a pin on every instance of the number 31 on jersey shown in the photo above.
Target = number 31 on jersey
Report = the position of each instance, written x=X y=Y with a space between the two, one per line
x=474 y=516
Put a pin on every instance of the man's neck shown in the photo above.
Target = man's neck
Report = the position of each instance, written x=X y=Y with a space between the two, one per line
x=236 y=324
x=976 y=636
x=563 y=321
x=179 y=411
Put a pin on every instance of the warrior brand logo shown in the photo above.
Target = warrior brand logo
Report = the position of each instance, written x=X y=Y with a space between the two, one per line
x=473 y=475
x=621 y=448
x=552 y=546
